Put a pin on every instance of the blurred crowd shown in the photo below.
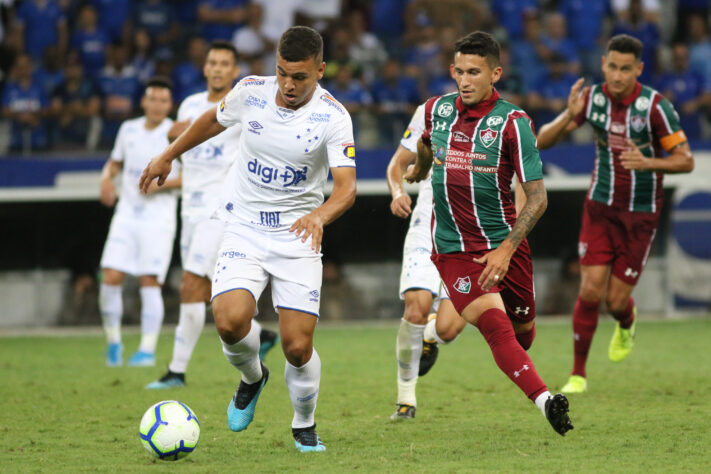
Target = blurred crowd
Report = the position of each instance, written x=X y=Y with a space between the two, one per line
x=72 y=70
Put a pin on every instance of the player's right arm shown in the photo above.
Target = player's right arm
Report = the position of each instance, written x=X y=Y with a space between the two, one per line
x=553 y=132
x=401 y=205
x=423 y=163
x=108 y=195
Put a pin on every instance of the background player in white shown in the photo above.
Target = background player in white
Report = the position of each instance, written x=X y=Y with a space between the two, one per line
x=140 y=240
x=203 y=173
x=293 y=131
x=417 y=339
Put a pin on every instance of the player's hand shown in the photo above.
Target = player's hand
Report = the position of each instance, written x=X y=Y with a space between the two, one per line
x=497 y=265
x=153 y=188
x=401 y=205
x=632 y=158
x=159 y=167
x=107 y=194
x=575 y=98
x=414 y=174
x=309 y=225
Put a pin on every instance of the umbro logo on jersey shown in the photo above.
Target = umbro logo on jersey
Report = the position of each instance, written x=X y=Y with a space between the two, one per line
x=463 y=284
x=488 y=136
x=254 y=126
x=460 y=137
x=314 y=295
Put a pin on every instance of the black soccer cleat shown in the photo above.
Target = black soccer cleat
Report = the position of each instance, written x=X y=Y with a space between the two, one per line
x=403 y=412
x=306 y=440
x=430 y=351
x=169 y=380
x=557 y=414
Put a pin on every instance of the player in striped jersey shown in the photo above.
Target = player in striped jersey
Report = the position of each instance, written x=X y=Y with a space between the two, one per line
x=634 y=125
x=478 y=141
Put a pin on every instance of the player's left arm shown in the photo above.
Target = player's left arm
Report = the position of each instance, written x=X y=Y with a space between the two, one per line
x=341 y=199
x=169 y=184
x=680 y=159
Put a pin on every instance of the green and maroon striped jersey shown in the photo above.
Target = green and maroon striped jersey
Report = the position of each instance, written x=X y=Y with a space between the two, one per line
x=476 y=151
x=645 y=117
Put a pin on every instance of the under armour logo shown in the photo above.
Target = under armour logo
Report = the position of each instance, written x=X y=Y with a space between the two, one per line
x=518 y=372
x=631 y=273
x=524 y=310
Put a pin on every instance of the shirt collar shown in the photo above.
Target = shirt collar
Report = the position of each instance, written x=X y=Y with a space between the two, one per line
x=480 y=109
x=627 y=100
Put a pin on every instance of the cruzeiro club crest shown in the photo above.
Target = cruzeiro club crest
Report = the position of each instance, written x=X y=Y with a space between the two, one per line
x=463 y=284
x=445 y=110
x=488 y=136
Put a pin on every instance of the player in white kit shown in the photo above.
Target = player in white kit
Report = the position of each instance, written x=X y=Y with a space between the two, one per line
x=293 y=132
x=203 y=172
x=417 y=338
x=140 y=239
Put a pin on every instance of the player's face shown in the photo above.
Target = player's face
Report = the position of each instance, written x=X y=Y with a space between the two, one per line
x=157 y=103
x=621 y=71
x=297 y=81
x=474 y=76
x=220 y=69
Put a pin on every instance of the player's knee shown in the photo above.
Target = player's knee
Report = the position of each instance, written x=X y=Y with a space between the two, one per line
x=297 y=351
x=616 y=303
x=415 y=311
x=590 y=291
x=111 y=277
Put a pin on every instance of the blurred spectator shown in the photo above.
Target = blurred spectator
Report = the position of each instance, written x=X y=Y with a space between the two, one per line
x=442 y=83
x=424 y=57
x=250 y=40
x=685 y=88
x=351 y=93
x=25 y=104
x=4 y=6
x=158 y=19
x=89 y=40
x=387 y=21
x=395 y=97
x=585 y=27
x=650 y=9
x=686 y=9
x=41 y=23
x=187 y=76
x=555 y=41
x=113 y=16
x=50 y=73
x=528 y=52
x=638 y=26
x=119 y=87
x=365 y=49
x=278 y=16
x=510 y=15
x=220 y=18
x=76 y=106
x=318 y=13
x=143 y=60
x=510 y=84
x=463 y=15
x=185 y=13
x=699 y=48
x=550 y=96
x=336 y=53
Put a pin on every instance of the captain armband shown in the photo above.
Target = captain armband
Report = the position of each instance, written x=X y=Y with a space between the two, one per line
x=674 y=140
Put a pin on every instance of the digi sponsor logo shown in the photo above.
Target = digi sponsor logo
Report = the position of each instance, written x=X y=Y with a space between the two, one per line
x=252 y=101
x=349 y=150
x=287 y=176
x=232 y=254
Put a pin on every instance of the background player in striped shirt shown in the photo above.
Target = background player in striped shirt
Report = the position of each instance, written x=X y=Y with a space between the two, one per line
x=634 y=125
x=478 y=141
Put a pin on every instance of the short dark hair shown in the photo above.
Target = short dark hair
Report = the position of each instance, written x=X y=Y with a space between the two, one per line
x=625 y=44
x=224 y=45
x=482 y=44
x=160 y=82
x=300 y=43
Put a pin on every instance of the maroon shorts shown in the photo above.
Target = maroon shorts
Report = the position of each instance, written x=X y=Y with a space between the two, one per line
x=618 y=238
x=459 y=273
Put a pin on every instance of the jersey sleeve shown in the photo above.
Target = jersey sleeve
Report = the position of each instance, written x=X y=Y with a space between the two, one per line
x=427 y=133
x=523 y=150
x=229 y=111
x=182 y=111
x=414 y=130
x=118 y=153
x=340 y=146
x=580 y=118
x=665 y=124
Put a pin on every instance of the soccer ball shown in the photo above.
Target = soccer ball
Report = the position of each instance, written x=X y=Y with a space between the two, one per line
x=169 y=430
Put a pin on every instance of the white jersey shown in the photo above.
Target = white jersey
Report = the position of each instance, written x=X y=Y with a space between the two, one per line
x=419 y=229
x=206 y=165
x=134 y=148
x=284 y=155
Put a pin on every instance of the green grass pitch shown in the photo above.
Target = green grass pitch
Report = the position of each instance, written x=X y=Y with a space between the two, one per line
x=64 y=411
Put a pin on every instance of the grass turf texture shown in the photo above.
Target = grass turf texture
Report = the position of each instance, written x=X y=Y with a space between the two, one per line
x=64 y=411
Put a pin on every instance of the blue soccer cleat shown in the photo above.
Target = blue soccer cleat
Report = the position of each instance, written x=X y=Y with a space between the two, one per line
x=267 y=340
x=306 y=440
x=169 y=380
x=114 y=355
x=142 y=359
x=240 y=411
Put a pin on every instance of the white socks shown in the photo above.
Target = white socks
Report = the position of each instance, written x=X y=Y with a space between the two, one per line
x=541 y=401
x=187 y=333
x=244 y=355
x=111 y=306
x=152 y=311
x=303 y=383
x=430 y=333
x=409 y=350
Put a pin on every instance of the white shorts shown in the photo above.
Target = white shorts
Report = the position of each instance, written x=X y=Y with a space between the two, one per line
x=199 y=243
x=418 y=272
x=138 y=247
x=249 y=258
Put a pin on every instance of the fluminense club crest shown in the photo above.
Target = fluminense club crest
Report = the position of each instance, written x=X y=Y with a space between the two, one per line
x=488 y=136
x=463 y=284
x=638 y=123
